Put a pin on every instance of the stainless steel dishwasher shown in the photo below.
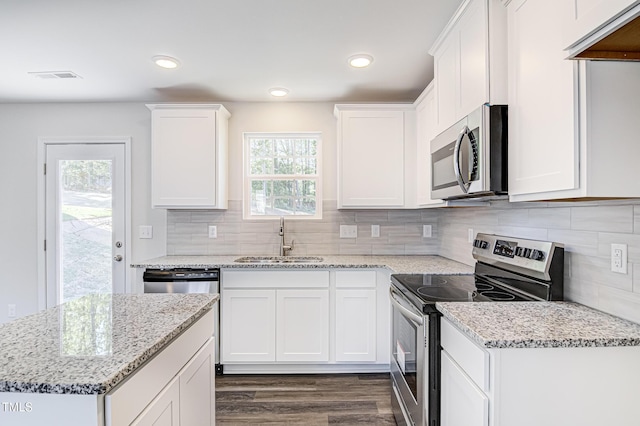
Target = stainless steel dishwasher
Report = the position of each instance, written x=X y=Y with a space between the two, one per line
x=188 y=280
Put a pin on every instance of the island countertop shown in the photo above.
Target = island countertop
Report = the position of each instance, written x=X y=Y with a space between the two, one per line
x=89 y=345
x=507 y=325
x=408 y=264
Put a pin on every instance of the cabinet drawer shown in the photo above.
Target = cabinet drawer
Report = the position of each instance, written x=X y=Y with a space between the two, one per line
x=469 y=356
x=275 y=279
x=355 y=279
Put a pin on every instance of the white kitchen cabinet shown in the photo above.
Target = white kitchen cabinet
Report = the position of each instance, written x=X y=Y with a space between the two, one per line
x=371 y=154
x=570 y=140
x=302 y=325
x=305 y=321
x=586 y=386
x=161 y=391
x=425 y=132
x=248 y=323
x=164 y=409
x=591 y=20
x=458 y=390
x=189 y=156
x=470 y=61
x=355 y=313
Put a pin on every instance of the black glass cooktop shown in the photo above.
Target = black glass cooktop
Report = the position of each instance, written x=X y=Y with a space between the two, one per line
x=429 y=289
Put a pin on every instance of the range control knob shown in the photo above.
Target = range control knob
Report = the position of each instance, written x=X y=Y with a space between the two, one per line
x=519 y=251
x=480 y=244
x=537 y=255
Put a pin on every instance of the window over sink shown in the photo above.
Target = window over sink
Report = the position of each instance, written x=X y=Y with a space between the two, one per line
x=282 y=175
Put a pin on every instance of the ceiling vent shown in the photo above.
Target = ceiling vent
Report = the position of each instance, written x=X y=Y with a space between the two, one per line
x=47 y=75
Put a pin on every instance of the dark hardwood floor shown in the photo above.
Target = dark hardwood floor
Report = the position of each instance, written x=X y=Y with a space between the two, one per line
x=318 y=399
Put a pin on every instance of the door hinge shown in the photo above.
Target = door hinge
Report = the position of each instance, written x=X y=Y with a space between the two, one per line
x=45 y=245
x=45 y=168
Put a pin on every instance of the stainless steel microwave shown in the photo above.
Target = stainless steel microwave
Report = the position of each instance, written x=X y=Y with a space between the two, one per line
x=469 y=159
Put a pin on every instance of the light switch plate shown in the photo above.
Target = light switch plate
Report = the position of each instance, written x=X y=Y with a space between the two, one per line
x=426 y=231
x=348 y=231
x=375 y=231
x=471 y=236
x=213 y=231
x=145 y=231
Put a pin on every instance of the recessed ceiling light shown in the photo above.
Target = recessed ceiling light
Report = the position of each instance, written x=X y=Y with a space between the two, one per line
x=279 y=91
x=361 y=60
x=166 y=62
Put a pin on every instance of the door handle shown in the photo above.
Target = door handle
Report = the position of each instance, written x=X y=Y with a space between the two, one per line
x=117 y=258
x=456 y=160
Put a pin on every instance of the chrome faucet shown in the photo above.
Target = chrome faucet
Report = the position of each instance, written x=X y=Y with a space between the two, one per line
x=284 y=248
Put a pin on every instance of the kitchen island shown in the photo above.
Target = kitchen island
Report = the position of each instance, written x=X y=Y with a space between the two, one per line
x=108 y=360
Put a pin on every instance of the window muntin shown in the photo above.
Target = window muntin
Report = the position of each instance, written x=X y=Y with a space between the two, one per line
x=282 y=175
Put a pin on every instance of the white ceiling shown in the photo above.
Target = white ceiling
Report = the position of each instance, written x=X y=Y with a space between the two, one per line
x=230 y=50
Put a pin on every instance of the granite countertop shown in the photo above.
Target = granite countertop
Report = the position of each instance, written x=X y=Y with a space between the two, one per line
x=89 y=345
x=397 y=264
x=539 y=325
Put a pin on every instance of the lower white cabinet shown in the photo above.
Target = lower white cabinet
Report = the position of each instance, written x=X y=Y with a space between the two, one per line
x=164 y=409
x=304 y=320
x=574 y=386
x=302 y=325
x=459 y=390
x=248 y=324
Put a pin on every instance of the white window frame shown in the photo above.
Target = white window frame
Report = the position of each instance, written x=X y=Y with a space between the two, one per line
x=246 y=176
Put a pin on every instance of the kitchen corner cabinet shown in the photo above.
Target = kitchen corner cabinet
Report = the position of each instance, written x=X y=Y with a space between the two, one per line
x=470 y=61
x=570 y=140
x=535 y=386
x=304 y=321
x=189 y=156
x=373 y=140
x=593 y=19
x=425 y=132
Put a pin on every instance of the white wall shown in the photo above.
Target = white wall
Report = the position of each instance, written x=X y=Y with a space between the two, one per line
x=20 y=127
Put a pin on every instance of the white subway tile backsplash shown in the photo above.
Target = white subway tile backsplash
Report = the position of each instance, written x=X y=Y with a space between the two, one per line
x=587 y=229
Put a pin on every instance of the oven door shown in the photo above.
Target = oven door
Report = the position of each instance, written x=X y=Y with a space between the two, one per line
x=408 y=362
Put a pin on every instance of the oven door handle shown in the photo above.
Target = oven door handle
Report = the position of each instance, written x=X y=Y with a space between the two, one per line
x=404 y=311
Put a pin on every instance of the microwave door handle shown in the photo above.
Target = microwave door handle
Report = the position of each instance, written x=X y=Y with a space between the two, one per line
x=404 y=311
x=456 y=160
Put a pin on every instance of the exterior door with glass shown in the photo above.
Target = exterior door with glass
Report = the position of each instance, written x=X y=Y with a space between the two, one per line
x=85 y=223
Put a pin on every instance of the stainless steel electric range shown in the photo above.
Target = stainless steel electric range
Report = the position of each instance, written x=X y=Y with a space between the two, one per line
x=507 y=269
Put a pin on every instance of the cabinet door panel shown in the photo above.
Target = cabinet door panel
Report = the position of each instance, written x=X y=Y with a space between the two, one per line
x=164 y=410
x=543 y=143
x=446 y=80
x=197 y=390
x=356 y=325
x=371 y=156
x=248 y=325
x=590 y=15
x=184 y=157
x=302 y=325
x=474 y=79
x=462 y=403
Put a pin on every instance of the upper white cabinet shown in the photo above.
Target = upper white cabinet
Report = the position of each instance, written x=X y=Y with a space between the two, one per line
x=569 y=121
x=592 y=20
x=372 y=145
x=470 y=61
x=425 y=132
x=189 y=156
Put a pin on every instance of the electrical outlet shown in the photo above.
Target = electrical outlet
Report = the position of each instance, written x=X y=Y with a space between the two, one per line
x=619 y=258
x=375 y=231
x=11 y=310
x=471 y=236
x=348 y=231
x=213 y=231
x=426 y=231
x=145 y=231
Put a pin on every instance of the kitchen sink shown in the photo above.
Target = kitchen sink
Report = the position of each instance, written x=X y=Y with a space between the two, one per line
x=278 y=259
